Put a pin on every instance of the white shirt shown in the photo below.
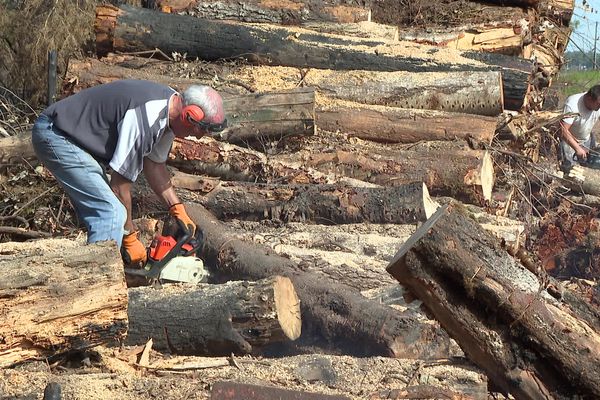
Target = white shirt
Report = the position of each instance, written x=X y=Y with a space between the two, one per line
x=581 y=127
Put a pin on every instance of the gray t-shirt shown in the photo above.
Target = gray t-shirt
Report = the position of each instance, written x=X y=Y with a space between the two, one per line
x=581 y=126
x=119 y=123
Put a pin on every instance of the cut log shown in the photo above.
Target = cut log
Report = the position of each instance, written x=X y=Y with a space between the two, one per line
x=239 y=317
x=403 y=125
x=326 y=204
x=16 y=148
x=250 y=117
x=127 y=29
x=286 y=12
x=58 y=295
x=330 y=310
x=590 y=183
x=447 y=170
x=272 y=116
x=461 y=92
x=530 y=344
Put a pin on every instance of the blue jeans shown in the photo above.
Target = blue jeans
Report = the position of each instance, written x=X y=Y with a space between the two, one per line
x=83 y=179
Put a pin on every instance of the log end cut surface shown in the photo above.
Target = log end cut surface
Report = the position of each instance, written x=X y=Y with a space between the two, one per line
x=287 y=305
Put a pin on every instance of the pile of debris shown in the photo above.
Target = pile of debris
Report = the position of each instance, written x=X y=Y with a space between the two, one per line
x=348 y=139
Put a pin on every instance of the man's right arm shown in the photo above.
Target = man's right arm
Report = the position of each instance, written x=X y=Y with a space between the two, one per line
x=565 y=130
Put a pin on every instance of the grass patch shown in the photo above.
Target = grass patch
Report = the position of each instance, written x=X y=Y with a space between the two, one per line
x=572 y=82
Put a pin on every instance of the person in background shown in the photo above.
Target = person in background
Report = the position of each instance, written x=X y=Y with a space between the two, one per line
x=129 y=127
x=577 y=138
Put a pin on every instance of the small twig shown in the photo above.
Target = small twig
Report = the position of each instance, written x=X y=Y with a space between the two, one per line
x=33 y=200
x=11 y=230
x=151 y=52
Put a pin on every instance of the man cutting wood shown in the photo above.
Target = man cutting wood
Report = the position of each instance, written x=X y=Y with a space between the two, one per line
x=576 y=132
x=129 y=127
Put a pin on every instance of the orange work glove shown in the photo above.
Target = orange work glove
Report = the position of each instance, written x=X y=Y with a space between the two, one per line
x=177 y=211
x=132 y=250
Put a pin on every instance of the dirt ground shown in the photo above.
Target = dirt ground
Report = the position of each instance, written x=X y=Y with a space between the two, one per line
x=108 y=373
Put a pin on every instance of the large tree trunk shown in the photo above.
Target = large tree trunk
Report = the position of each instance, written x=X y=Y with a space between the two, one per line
x=128 y=30
x=447 y=170
x=530 y=344
x=327 y=204
x=348 y=321
x=59 y=295
x=288 y=12
x=458 y=92
x=238 y=317
x=402 y=125
x=473 y=92
x=364 y=29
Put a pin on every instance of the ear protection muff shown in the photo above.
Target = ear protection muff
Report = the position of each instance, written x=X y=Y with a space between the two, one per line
x=191 y=114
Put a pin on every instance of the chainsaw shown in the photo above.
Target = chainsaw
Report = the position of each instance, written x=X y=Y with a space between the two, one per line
x=174 y=259
x=591 y=161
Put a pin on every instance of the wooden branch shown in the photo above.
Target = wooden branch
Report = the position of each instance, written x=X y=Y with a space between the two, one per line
x=58 y=295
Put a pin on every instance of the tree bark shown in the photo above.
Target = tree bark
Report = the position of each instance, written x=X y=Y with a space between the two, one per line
x=59 y=295
x=127 y=30
x=447 y=170
x=273 y=116
x=328 y=204
x=472 y=92
x=330 y=310
x=239 y=317
x=288 y=12
x=532 y=346
x=403 y=125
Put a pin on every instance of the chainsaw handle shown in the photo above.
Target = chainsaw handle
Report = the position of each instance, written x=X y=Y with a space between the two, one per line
x=196 y=243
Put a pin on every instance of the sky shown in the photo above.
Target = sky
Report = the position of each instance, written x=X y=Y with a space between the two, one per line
x=587 y=13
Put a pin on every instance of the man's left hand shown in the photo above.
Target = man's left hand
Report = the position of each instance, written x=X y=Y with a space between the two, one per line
x=178 y=212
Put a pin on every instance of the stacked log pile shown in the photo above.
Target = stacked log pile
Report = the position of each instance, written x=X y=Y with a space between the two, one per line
x=346 y=113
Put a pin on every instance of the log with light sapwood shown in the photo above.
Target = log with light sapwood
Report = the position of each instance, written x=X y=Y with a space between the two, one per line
x=326 y=204
x=58 y=295
x=127 y=29
x=239 y=317
x=475 y=92
x=286 y=12
x=461 y=92
x=447 y=170
x=585 y=180
x=403 y=125
x=530 y=344
x=16 y=148
x=340 y=315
